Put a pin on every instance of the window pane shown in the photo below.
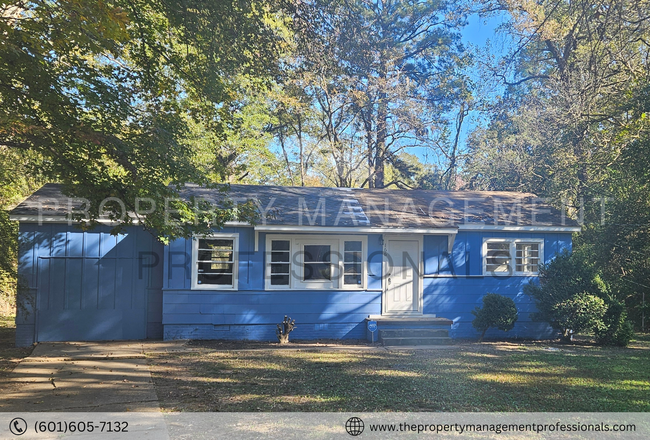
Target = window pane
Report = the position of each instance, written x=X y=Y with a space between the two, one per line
x=317 y=272
x=211 y=243
x=215 y=268
x=353 y=246
x=215 y=263
x=498 y=257
x=280 y=245
x=501 y=246
x=352 y=257
x=352 y=279
x=527 y=257
x=280 y=268
x=215 y=279
x=215 y=255
x=279 y=280
x=353 y=268
x=317 y=253
x=280 y=258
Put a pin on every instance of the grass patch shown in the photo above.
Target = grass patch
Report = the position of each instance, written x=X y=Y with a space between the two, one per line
x=472 y=377
x=10 y=355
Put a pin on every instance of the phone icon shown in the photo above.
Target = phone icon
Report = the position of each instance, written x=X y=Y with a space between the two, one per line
x=18 y=426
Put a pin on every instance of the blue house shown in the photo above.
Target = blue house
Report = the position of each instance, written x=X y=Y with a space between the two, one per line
x=417 y=262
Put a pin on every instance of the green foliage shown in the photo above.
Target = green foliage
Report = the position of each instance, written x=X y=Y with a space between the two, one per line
x=406 y=171
x=18 y=179
x=568 y=292
x=616 y=329
x=498 y=311
x=8 y=254
x=560 y=123
x=580 y=312
x=104 y=94
x=572 y=297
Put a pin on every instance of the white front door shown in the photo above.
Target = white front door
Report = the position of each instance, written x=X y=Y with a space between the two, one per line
x=402 y=290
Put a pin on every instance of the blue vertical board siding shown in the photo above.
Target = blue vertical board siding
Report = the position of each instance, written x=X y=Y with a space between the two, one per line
x=26 y=256
x=107 y=243
x=91 y=244
x=106 y=296
x=73 y=285
x=90 y=283
x=87 y=285
x=473 y=261
x=59 y=240
x=375 y=266
x=178 y=256
x=434 y=254
x=75 y=244
x=254 y=260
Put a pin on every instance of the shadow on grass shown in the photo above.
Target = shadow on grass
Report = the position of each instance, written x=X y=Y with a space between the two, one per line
x=471 y=378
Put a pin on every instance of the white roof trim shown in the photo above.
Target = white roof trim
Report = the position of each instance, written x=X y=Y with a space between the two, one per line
x=511 y=228
x=353 y=229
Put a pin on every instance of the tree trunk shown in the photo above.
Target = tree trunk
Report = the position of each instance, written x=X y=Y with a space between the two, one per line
x=382 y=122
x=301 y=152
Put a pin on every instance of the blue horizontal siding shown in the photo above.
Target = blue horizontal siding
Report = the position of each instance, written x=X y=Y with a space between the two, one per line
x=455 y=298
x=269 y=307
x=251 y=312
x=265 y=332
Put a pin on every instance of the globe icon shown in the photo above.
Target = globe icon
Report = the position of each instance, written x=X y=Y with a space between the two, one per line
x=354 y=426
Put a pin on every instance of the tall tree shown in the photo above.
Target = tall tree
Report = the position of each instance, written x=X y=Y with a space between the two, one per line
x=105 y=92
x=560 y=123
x=382 y=78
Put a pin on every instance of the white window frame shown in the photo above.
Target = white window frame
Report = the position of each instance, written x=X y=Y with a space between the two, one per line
x=195 y=267
x=337 y=247
x=513 y=255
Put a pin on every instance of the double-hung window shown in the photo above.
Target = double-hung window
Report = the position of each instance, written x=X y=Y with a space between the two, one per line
x=280 y=262
x=352 y=263
x=503 y=256
x=315 y=262
x=214 y=262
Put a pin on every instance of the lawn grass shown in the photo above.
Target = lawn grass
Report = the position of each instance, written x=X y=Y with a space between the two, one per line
x=9 y=354
x=470 y=377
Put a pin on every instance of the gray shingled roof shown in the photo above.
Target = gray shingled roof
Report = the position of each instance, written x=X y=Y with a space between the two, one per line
x=343 y=207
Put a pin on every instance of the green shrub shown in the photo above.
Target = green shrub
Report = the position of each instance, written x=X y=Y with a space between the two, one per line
x=578 y=313
x=565 y=294
x=497 y=311
x=616 y=329
x=572 y=297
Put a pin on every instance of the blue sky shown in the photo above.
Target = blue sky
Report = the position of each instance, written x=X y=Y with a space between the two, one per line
x=479 y=30
x=478 y=33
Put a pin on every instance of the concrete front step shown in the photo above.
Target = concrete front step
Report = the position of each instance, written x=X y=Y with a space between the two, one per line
x=411 y=330
x=416 y=341
x=413 y=333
